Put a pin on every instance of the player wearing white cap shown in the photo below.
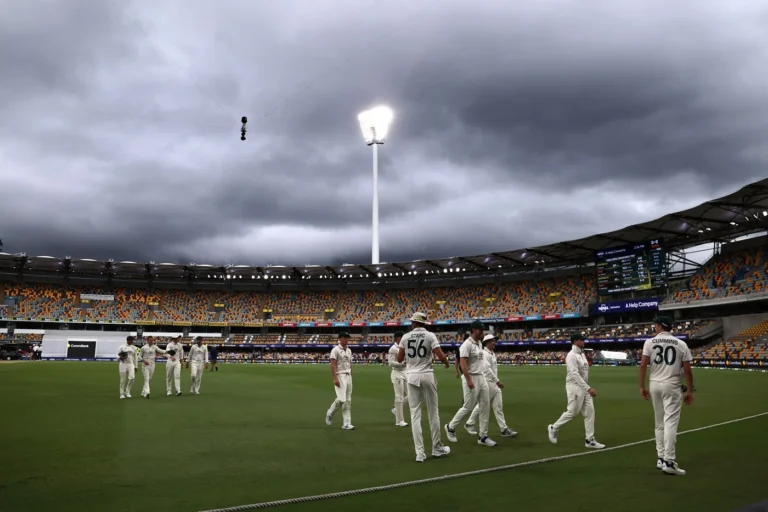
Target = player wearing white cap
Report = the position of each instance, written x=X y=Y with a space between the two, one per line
x=579 y=394
x=147 y=355
x=198 y=359
x=175 y=351
x=474 y=385
x=666 y=355
x=398 y=381
x=126 y=355
x=494 y=390
x=417 y=349
x=341 y=369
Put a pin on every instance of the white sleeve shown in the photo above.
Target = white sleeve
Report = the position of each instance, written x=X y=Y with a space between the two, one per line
x=647 y=348
x=334 y=353
x=487 y=371
x=434 y=340
x=687 y=356
x=464 y=349
x=573 y=370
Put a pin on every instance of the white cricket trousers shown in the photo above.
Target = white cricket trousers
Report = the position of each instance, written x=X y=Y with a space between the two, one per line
x=425 y=392
x=667 y=399
x=343 y=398
x=127 y=375
x=497 y=406
x=172 y=376
x=477 y=397
x=148 y=370
x=579 y=401
x=196 y=375
x=401 y=391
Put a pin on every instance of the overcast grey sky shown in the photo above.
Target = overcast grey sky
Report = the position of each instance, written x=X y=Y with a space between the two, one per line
x=517 y=123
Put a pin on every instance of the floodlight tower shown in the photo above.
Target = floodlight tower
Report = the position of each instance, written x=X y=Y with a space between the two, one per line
x=375 y=126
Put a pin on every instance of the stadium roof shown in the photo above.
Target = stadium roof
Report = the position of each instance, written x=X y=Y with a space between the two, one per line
x=737 y=214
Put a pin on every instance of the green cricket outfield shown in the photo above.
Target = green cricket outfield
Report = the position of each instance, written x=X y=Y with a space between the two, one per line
x=257 y=434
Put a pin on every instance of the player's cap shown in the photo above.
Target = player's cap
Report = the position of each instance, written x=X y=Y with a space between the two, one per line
x=489 y=337
x=419 y=318
x=399 y=334
x=344 y=334
x=577 y=336
x=664 y=321
x=477 y=324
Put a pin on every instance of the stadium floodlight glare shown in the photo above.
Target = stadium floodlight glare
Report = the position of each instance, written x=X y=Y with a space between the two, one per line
x=374 y=124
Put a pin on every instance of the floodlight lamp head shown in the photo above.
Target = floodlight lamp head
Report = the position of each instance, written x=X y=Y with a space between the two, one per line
x=375 y=123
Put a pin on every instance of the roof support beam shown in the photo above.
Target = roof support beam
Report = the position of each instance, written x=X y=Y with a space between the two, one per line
x=507 y=258
x=465 y=260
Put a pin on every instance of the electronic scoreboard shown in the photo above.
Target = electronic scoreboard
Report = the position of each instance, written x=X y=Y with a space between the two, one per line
x=641 y=266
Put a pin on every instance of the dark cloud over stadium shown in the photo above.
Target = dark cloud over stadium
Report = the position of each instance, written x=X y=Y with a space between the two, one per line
x=515 y=125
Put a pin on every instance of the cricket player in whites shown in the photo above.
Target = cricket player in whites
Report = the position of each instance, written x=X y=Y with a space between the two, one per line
x=475 y=386
x=398 y=380
x=198 y=356
x=175 y=355
x=666 y=355
x=417 y=348
x=341 y=369
x=579 y=394
x=126 y=355
x=147 y=356
x=494 y=390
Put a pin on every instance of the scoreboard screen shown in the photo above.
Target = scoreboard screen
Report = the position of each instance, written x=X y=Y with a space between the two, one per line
x=641 y=266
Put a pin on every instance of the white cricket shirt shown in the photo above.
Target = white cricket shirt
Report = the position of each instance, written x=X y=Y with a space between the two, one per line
x=130 y=357
x=666 y=354
x=178 y=356
x=472 y=350
x=577 y=368
x=149 y=353
x=343 y=358
x=198 y=354
x=418 y=345
x=491 y=366
x=397 y=368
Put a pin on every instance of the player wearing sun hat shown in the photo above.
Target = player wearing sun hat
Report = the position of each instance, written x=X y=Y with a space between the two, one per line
x=494 y=390
x=579 y=394
x=474 y=385
x=417 y=349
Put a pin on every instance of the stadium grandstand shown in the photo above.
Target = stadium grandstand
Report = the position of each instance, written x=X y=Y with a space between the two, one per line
x=607 y=287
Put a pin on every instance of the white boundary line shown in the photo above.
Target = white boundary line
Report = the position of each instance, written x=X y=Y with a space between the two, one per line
x=318 y=497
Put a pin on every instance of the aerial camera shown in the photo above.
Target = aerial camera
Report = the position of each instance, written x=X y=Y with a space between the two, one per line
x=244 y=120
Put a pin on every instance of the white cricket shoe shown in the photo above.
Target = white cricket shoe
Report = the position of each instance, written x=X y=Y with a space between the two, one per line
x=470 y=428
x=127 y=395
x=552 y=434
x=450 y=434
x=401 y=424
x=659 y=463
x=486 y=441
x=122 y=397
x=328 y=419
x=671 y=468
x=441 y=451
x=348 y=427
x=421 y=457
x=591 y=443
x=508 y=433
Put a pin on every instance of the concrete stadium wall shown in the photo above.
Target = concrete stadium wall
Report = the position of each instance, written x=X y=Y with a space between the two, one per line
x=733 y=325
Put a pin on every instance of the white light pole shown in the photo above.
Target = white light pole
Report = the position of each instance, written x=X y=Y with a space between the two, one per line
x=375 y=126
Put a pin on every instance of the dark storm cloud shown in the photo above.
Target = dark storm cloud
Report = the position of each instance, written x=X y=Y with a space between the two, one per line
x=516 y=125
